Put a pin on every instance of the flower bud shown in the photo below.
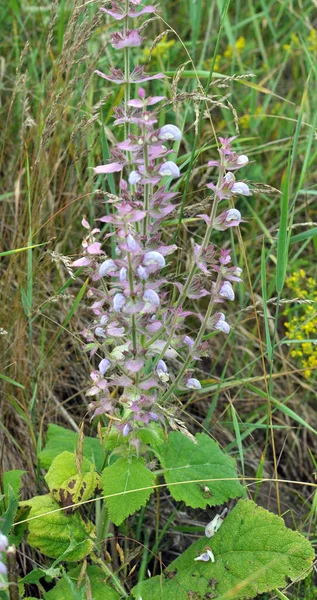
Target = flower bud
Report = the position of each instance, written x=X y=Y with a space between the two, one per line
x=162 y=371
x=170 y=132
x=169 y=169
x=188 y=341
x=126 y=430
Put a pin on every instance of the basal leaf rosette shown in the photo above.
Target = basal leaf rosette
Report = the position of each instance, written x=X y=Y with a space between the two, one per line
x=57 y=534
x=126 y=478
x=69 y=485
x=254 y=552
x=184 y=461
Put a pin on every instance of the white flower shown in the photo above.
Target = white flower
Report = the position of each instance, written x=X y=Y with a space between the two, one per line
x=233 y=215
x=131 y=243
x=151 y=297
x=123 y=274
x=134 y=177
x=242 y=160
x=169 y=169
x=170 y=132
x=213 y=526
x=107 y=267
x=221 y=324
x=104 y=365
x=154 y=258
x=226 y=291
x=118 y=302
x=241 y=188
x=193 y=384
x=229 y=178
x=100 y=332
x=142 y=272
x=208 y=555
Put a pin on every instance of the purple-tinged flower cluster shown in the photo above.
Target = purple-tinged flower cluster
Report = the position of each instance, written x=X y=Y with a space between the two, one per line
x=138 y=336
x=3 y=546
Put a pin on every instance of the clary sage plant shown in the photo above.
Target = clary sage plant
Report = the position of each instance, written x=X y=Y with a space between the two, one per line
x=151 y=323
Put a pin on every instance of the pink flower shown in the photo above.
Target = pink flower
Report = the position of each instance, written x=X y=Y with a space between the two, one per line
x=228 y=218
x=110 y=168
x=131 y=38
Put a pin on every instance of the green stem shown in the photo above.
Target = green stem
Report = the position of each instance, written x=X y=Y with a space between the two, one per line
x=195 y=346
x=114 y=579
x=147 y=186
x=193 y=269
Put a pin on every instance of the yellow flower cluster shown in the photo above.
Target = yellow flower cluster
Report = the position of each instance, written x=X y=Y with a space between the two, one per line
x=296 y=43
x=302 y=324
x=238 y=47
x=161 y=50
x=228 y=53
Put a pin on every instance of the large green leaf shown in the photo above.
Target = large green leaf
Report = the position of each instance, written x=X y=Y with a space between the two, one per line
x=58 y=534
x=60 y=439
x=67 y=484
x=124 y=475
x=94 y=579
x=185 y=461
x=254 y=553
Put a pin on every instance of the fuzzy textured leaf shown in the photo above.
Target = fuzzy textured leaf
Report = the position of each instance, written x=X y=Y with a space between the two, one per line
x=254 y=553
x=124 y=475
x=59 y=439
x=53 y=534
x=183 y=460
x=94 y=579
x=66 y=484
